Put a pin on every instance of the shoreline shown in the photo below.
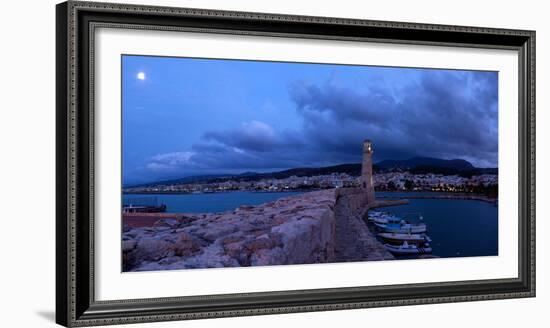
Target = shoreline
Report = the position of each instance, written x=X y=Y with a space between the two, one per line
x=436 y=195
x=219 y=192
x=400 y=194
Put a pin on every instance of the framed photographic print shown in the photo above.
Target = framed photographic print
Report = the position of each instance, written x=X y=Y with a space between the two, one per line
x=215 y=163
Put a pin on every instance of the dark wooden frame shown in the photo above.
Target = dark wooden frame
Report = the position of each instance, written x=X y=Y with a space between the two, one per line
x=75 y=303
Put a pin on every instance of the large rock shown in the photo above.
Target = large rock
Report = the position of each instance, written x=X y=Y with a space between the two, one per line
x=153 y=249
x=128 y=245
x=264 y=241
x=185 y=245
x=269 y=257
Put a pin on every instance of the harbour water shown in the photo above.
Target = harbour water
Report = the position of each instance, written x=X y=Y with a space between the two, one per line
x=458 y=228
x=212 y=202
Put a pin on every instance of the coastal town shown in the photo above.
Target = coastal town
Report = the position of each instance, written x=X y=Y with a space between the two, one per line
x=387 y=181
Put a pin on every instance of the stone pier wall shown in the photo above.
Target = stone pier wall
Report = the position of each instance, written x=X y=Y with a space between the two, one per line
x=315 y=227
x=293 y=230
x=355 y=199
x=354 y=241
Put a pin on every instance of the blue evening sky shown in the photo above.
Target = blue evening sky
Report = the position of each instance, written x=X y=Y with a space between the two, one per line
x=187 y=116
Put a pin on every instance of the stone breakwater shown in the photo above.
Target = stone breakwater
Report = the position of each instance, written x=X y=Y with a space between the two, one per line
x=316 y=227
x=354 y=241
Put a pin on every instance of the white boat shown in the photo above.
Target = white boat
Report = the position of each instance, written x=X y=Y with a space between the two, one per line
x=402 y=227
x=385 y=219
x=407 y=248
x=381 y=217
x=376 y=215
x=405 y=237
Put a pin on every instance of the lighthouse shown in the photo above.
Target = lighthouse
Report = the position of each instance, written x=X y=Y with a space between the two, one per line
x=366 y=171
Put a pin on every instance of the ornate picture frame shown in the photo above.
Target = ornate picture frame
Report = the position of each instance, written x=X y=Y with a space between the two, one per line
x=77 y=23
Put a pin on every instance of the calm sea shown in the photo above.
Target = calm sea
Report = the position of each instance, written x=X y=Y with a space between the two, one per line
x=457 y=227
x=212 y=202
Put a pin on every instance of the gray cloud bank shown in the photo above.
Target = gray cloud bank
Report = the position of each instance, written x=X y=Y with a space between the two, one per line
x=438 y=114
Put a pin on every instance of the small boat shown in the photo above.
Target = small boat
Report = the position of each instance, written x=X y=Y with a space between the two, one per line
x=377 y=214
x=405 y=237
x=385 y=219
x=142 y=205
x=407 y=248
x=143 y=209
x=374 y=215
x=402 y=227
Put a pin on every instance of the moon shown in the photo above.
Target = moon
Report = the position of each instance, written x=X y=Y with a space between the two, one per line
x=141 y=76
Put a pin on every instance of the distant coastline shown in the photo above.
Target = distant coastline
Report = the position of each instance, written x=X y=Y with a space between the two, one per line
x=420 y=178
x=216 y=192
x=398 y=194
x=440 y=195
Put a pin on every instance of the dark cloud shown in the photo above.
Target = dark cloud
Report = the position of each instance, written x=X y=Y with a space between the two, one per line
x=447 y=115
x=443 y=114
x=256 y=136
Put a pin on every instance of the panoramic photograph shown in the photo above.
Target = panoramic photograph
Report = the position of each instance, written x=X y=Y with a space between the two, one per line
x=239 y=163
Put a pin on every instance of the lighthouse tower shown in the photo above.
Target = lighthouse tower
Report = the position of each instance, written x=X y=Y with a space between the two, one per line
x=366 y=171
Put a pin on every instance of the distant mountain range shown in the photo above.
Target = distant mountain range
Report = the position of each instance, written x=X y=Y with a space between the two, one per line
x=415 y=165
x=425 y=165
x=411 y=163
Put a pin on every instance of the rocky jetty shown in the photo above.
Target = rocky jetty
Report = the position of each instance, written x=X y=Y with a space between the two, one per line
x=317 y=227
x=354 y=241
x=293 y=230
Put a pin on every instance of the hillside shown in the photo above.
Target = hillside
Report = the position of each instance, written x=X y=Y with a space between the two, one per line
x=416 y=165
x=411 y=163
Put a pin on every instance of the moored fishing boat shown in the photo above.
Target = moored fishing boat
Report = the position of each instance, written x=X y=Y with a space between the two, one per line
x=376 y=215
x=385 y=218
x=402 y=227
x=407 y=249
x=143 y=209
x=142 y=205
x=405 y=237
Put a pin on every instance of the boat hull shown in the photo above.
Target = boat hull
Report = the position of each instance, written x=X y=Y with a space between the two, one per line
x=408 y=251
x=385 y=220
x=404 y=229
x=399 y=238
x=144 y=209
